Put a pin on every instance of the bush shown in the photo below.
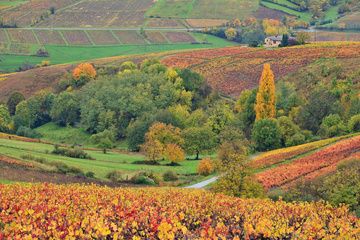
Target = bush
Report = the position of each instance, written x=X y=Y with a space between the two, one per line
x=28 y=132
x=205 y=167
x=70 y=152
x=90 y=175
x=169 y=175
x=114 y=176
x=45 y=63
x=295 y=140
x=266 y=134
x=143 y=180
x=354 y=123
x=76 y=170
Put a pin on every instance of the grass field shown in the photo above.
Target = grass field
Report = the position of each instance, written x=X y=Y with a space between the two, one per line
x=68 y=54
x=176 y=9
x=103 y=164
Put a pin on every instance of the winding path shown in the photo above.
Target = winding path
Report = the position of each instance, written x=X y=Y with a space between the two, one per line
x=213 y=179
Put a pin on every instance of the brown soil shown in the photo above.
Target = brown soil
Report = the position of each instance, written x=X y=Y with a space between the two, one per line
x=25 y=175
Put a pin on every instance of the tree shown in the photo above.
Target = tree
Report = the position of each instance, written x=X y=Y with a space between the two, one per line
x=52 y=10
x=236 y=179
x=5 y=119
x=287 y=128
x=265 y=106
x=230 y=34
x=128 y=66
x=180 y=114
x=199 y=140
x=354 y=123
x=303 y=37
x=105 y=143
x=205 y=167
x=96 y=138
x=14 y=99
x=220 y=115
x=285 y=40
x=158 y=137
x=84 y=73
x=266 y=134
x=174 y=153
x=65 y=109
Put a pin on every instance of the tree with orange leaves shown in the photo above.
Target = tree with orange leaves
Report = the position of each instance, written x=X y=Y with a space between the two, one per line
x=265 y=106
x=84 y=73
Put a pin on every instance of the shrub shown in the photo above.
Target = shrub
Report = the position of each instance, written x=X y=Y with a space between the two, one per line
x=143 y=180
x=354 y=123
x=45 y=63
x=114 y=176
x=169 y=175
x=205 y=167
x=27 y=132
x=76 y=170
x=295 y=140
x=90 y=175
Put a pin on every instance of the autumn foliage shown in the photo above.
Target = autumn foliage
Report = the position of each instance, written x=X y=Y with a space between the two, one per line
x=86 y=71
x=265 y=106
x=47 y=211
x=316 y=164
x=205 y=167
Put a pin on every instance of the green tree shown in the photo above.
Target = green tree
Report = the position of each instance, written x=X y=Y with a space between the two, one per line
x=303 y=37
x=236 y=179
x=219 y=116
x=65 y=109
x=180 y=114
x=199 y=140
x=354 y=123
x=5 y=119
x=287 y=128
x=266 y=134
x=14 y=99
x=127 y=66
x=135 y=133
x=96 y=138
x=285 y=40
x=105 y=143
x=197 y=118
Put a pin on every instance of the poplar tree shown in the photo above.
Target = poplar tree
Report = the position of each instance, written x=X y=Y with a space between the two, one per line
x=265 y=106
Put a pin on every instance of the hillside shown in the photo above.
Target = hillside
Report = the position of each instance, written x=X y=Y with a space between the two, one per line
x=232 y=70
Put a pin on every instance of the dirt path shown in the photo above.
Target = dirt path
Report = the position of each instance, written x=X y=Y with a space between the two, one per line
x=203 y=184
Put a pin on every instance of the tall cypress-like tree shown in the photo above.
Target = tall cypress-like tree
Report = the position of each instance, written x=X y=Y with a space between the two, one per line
x=285 y=40
x=265 y=106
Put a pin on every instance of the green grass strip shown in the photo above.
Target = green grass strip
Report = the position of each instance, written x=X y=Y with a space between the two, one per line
x=217 y=4
x=67 y=44
x=164 y=36
x=37 y=39
x=8 y=38
x=116 y=37
x=89 y=38
x=190 y=8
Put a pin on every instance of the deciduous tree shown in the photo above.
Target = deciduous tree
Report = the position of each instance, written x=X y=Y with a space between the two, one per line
x=84 y=72
x=199 y=140
x=265 y=106
x=14 y=99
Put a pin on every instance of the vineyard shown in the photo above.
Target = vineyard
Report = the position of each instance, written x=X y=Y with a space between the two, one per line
x=280 y=155
x=3 y=37
x=79 y=211
x=49 y=37
x=156 y=37
x=100 y=37
x=100 y=14
x=311 y=166
x=20 y=48
x=163 y=23
x=129 y=37
x=232 y=70
x=179 y=37
x=21 y=36
x=76 y=37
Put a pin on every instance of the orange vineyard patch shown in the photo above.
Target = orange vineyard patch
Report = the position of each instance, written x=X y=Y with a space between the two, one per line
x=46 y=211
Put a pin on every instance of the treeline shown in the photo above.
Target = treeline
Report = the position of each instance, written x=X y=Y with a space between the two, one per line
x=126 y=102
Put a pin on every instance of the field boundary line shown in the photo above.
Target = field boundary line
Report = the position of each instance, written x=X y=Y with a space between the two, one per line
x=37 y=39
x=165 y=37
x=66 y=43
x=190 y=8
x=216 y=7
x=89 y=38
x=116 y=37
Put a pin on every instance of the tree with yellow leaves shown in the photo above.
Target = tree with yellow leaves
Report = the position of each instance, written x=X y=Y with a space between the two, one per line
x=265 y=106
